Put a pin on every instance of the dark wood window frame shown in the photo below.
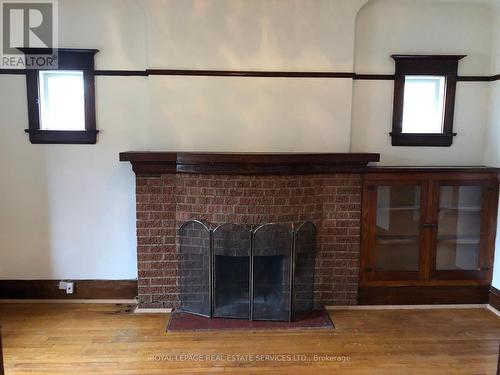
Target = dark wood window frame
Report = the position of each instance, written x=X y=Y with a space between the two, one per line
x=436 y=65
x=68 y=59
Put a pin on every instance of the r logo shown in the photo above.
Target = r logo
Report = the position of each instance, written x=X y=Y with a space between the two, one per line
x=27 y=24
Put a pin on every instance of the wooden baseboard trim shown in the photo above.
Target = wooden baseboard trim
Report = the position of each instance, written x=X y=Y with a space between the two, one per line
x=494 y=298
x=408 y=307
x=141 y=310
x=493 y=310
x=72 y=301
x=83 y=290
x=423 y=295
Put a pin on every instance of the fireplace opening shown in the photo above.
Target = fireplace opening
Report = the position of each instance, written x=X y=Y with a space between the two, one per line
x=272 y=265
x=270 y=299
x=235 y=272
x=232 y=288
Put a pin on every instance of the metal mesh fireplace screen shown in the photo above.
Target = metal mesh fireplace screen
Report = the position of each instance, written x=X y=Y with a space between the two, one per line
x=264 y=273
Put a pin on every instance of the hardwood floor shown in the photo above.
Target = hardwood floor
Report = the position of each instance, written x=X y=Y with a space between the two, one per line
x=104 y=339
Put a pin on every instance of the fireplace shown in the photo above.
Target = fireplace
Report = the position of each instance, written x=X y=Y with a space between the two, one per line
x=173 y=188
x=263 y=272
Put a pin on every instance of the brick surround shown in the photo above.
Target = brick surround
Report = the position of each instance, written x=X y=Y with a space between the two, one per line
x=331 y=201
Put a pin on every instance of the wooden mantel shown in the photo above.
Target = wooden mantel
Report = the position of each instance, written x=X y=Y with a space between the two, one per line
x=155 y=163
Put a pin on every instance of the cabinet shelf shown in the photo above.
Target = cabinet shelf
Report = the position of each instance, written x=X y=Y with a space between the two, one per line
x=464 y=240
x=461 y=208
x=397 y=239
x=398 y=208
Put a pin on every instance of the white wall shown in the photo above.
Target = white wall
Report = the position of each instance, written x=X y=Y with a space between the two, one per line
x=492 y=150
x=385 y=27
x=68 y=211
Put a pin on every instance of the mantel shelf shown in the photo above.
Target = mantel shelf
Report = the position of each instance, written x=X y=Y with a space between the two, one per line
x=154 y=163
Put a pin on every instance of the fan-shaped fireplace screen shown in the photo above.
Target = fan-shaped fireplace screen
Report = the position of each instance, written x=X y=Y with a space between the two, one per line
x=263 y=273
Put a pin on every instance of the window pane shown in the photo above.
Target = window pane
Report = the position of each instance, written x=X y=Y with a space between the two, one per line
x=459 y=227
x=61 y=100
x=423 y=104
x=397 y=242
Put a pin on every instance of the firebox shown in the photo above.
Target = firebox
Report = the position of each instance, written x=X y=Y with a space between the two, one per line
x=264 y=272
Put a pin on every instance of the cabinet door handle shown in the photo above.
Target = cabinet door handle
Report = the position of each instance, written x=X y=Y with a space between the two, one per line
x=429 y=225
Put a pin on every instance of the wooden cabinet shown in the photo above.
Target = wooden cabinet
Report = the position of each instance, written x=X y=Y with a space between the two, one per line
x=428 y=227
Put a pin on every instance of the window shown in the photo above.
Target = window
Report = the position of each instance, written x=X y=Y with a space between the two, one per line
x=424 y=100
x=61 y=100
x=423 y=104
x=61 y=104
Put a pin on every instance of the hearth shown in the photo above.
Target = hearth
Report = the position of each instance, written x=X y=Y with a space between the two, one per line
x=264 y=272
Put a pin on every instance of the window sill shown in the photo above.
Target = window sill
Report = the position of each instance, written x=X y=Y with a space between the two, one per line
x=422 y=139
x=38 y=136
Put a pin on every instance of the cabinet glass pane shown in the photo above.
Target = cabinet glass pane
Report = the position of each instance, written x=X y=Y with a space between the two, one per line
x=459 y=227
x=397 y=232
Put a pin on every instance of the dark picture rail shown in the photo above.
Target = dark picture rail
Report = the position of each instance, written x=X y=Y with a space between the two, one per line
x=445 y=66
x=255 y=73
x=264 y=273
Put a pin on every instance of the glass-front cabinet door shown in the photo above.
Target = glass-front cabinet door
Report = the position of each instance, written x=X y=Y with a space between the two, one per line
x=395 y=240
x=460 y=209
x=428 y=228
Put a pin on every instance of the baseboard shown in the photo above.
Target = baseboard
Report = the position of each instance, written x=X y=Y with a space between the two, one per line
x=139 y=310
x=493 y=310
x=494 y=298
x=1 y=354
x=409 y=307
x=423 y=295
x=72 y=301
x=83 y=290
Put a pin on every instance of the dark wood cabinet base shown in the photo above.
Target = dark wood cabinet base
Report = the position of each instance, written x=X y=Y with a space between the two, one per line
x=423 y=295
x=495 y=298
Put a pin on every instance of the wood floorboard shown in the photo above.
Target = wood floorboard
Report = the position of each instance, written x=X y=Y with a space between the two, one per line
x=103 y=339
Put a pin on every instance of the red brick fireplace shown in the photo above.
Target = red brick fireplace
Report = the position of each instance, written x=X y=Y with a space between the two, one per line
x=248 y=189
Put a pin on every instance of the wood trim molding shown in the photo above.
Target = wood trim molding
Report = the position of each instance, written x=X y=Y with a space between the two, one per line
x=138 y=73
x=38 y=136
x=381 y=77
x=81 y=60
x=247 y=73
x=423 y=295
x=155 y=163
x=83 y=289
x=445 y=66
x=1 y=354
x=255 y=73
x=494 y=298
x=442 y=169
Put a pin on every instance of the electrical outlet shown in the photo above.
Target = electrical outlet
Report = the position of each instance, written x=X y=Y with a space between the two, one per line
x=68 y=286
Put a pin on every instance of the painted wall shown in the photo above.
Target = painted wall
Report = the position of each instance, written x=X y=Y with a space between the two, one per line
x=492 y=149
x=68 y=211
x=385 y=27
